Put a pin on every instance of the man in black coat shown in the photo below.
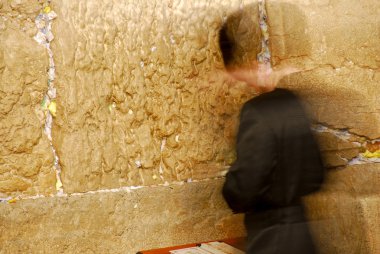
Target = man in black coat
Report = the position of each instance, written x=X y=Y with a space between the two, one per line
x=278 y=162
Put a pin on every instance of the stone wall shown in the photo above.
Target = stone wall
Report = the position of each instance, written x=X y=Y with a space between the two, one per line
x=25 y=157
x=145 y=104
x=118 y=222
x=336 y=44
x=142 y=101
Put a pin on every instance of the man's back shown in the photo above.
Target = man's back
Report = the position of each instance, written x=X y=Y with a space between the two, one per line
x=278 y=161
x=299 y=168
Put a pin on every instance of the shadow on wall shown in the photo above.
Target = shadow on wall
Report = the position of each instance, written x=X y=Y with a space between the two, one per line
x=333 y=95
x=288 y=41
x=244 y=21
x=337 y=52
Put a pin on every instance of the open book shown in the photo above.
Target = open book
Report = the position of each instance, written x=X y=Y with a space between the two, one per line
x=209 y=248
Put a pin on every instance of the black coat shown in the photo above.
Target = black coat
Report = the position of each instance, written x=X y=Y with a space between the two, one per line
x=278 y=161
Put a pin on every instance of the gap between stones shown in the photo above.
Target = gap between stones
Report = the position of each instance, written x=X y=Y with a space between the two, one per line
x=127 y=189
x=345 y=135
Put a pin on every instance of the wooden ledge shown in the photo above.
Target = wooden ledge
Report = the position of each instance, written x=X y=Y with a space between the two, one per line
x=238 y=243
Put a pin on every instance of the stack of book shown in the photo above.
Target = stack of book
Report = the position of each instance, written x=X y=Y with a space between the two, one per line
x=209 y=248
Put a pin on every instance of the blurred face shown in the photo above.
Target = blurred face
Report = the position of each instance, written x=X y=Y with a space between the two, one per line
x=260 y=77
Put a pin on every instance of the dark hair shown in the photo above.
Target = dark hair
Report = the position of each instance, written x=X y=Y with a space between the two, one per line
x=226 y=45
x=239 y=37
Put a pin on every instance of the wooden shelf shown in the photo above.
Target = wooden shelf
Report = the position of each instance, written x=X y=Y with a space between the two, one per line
x=235 y=242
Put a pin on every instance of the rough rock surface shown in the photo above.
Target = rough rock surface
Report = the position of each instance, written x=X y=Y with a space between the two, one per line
x=141 y=97
x=25 y=155
x=337 y=151
x=342 y=223
x=345 y=214
x=336 y=43
x=118 y=222
x=141 y=101
x=356 y=180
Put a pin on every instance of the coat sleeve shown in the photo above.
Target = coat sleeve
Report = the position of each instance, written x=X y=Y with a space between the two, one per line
x=250 y=175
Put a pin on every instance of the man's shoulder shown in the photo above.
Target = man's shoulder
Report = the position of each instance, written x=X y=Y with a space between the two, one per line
x=271 y=98
x=275 y=106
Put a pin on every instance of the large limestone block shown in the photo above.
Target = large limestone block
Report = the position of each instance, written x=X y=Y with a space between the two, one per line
x=140 y=96
x=356 y=180
x=26 y=159
x=336 y=43
x=337 y=151
x=371 y=211
x=343 y=223
x=118 y=222
x=345 y=214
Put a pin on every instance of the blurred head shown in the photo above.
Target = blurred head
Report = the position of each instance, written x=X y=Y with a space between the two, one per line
x=239 y=43
x=240 y=38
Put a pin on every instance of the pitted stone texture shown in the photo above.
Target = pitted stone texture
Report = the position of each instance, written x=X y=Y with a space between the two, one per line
x=120 y=222
x=336 y=44
x=25 y=156
x=345 y=213
x=371 y=211
x=141 y=96
x=342 y=223
x=357 y=180
x=337 y=151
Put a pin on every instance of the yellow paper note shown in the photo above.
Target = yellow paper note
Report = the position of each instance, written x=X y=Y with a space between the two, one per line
x=13 y=200
x=375 y=154
x=58 y=184
x=53 y=108
x=47 y=9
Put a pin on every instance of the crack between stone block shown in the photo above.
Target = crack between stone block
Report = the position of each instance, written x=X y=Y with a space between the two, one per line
x=342 y=131
x=264 y=56
x=127 y=189
x=346 y=135
x=346 y=63
x=349 y=63
x=44 y=37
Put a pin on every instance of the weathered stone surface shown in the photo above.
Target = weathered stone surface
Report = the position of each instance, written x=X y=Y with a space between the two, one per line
x=357 y=180
x=342 y=223
x=346 y=212
x=336 y=42
x=141 y=101
x=25 y=155
x=118 y=222
x=141 y=97
x=130 y=95
x=371 y=211
x=336 y=151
